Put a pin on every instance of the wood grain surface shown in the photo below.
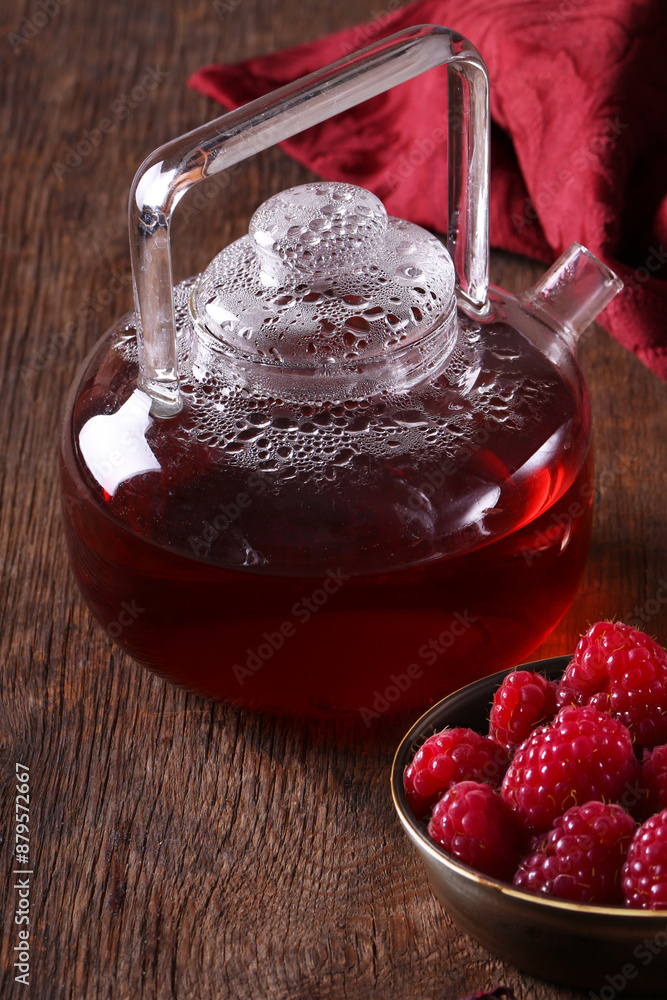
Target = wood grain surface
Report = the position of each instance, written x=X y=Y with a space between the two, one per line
x=182 y=848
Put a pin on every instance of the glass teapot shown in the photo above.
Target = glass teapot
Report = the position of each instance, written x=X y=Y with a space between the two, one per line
x=335 y=472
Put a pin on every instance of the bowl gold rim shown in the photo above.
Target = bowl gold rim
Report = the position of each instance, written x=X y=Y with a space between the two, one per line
x=424 y=843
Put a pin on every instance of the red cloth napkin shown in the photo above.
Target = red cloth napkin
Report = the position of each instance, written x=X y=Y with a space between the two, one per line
x=579 y=135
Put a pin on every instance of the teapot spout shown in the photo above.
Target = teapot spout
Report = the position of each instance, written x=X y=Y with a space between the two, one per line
x=574 y=290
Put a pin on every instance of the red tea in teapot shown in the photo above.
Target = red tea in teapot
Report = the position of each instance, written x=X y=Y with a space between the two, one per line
x=416 y=549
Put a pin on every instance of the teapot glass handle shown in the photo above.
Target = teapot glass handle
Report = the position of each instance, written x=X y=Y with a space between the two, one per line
x=174 y=168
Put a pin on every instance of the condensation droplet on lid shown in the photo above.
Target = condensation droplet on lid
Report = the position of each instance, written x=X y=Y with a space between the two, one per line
x=310 y=239
x=284 y=423
x=410 y=418
x=344 y=456
x=505 y=354
x=408 y=273
x=359 y=424
x=248 y=435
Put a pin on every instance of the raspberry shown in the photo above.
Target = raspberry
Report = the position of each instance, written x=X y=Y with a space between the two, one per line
x=472 y=823
x=582 y=755
x=566 y=695
x=638 y=692
x=645 y=871
x=587 y=671
x=523 y=701
x=654 y=781
x=447 y=757
x=600 y=702
x=582 y=856
x=621 y=670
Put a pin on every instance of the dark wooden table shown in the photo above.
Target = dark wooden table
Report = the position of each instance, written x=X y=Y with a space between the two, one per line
x=183 y=848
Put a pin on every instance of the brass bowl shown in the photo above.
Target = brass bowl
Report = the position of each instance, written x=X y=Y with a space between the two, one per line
x=606 y=949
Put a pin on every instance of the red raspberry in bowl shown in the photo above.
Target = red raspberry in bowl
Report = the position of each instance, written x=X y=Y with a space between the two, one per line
x=587 y=671
x=447 y=757
x=582 y=856
x=623 y=671
x=566 y=695
x=653 y=781
x=523 y=701
x=472 y=823
x=638 y=692
x=645 y=870
x=583 y=755
x=600 y=701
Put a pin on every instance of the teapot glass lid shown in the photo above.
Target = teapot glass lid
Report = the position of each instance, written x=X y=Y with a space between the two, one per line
x=325 y=283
